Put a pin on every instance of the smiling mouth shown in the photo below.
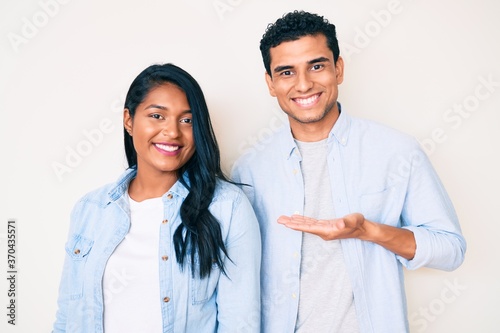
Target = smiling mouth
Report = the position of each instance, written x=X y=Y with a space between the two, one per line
x=309 y=101
x=166 y=147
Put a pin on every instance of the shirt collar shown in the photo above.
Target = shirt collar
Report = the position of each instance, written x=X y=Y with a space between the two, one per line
x=339 y=132
x=121 y=184
x=179 y=189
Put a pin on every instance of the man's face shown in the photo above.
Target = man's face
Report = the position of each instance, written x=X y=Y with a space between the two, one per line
x=305 y=79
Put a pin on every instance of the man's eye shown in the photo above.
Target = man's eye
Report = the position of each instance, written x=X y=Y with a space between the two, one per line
x=156 y=116
x=317 y=66
x=286 y=73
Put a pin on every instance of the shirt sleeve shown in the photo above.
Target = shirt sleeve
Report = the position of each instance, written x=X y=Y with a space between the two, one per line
x=429 y=213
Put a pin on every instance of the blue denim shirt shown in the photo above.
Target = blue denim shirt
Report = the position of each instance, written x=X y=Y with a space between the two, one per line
x=373 y=170
x=218 y=303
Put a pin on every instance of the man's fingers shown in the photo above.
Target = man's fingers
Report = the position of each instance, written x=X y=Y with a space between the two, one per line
x=303 y=219
x=284 y=219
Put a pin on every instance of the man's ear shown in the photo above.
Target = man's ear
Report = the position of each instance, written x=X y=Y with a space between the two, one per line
x=339 y=70
x=270 y=84
x=127 y=121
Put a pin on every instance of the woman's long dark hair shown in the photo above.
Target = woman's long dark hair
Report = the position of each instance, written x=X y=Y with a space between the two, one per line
x=199 y=233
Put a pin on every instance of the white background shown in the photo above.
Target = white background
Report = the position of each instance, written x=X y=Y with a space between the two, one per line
x=65 y=67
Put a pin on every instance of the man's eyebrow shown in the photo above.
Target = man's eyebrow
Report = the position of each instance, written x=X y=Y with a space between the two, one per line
x=310 y=62
x=320 y=59
x=282 y=68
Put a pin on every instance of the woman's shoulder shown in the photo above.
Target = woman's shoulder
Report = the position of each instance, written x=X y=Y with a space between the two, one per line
x=108 y=192
x=98 y=196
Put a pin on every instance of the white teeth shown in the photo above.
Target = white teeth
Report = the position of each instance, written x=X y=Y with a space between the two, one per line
x=306 y=101
x=167 y=148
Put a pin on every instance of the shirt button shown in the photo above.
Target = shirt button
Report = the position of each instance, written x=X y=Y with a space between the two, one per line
x=169 y=196
x=166 y=299
x=295 y=171
x=294 y=296
x=164 y=221
x=164 y=258
x=77 y=251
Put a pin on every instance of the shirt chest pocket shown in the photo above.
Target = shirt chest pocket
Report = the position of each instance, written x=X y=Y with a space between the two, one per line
x=383 y=206
x=204 y=289
x=78 y=249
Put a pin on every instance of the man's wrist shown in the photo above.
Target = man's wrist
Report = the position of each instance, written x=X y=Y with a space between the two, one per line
x=369 y=230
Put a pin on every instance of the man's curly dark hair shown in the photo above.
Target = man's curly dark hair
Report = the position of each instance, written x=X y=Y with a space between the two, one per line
x=293 y=26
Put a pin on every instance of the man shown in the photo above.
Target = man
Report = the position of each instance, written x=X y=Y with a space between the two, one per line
x=343 y=203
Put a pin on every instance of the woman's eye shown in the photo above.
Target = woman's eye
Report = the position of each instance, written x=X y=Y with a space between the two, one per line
x=156 y=116
x=187 y=120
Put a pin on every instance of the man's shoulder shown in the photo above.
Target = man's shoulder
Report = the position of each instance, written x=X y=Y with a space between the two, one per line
x=226 y=191
x=375 y=132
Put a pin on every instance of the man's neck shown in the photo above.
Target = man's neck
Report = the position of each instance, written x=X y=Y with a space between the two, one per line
x=314 y=131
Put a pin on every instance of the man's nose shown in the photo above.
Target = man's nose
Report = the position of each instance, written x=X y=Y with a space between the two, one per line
x=303 y=82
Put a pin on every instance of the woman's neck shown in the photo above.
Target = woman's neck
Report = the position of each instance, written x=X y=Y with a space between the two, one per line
x=150 y=185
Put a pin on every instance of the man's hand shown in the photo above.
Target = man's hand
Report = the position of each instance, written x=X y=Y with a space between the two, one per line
x=349 y=226
x=397 y=240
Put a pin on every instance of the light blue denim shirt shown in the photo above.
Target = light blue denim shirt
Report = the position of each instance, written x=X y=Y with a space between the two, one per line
x=374 y=170
x=219 y=303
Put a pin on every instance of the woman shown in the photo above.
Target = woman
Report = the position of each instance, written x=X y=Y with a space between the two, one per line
x=171 y=246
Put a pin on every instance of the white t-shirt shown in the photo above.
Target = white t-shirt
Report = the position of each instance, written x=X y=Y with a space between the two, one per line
x=131 y=286
x=326 y=301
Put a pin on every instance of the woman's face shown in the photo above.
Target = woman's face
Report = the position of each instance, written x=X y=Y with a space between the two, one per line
x=162 y=130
